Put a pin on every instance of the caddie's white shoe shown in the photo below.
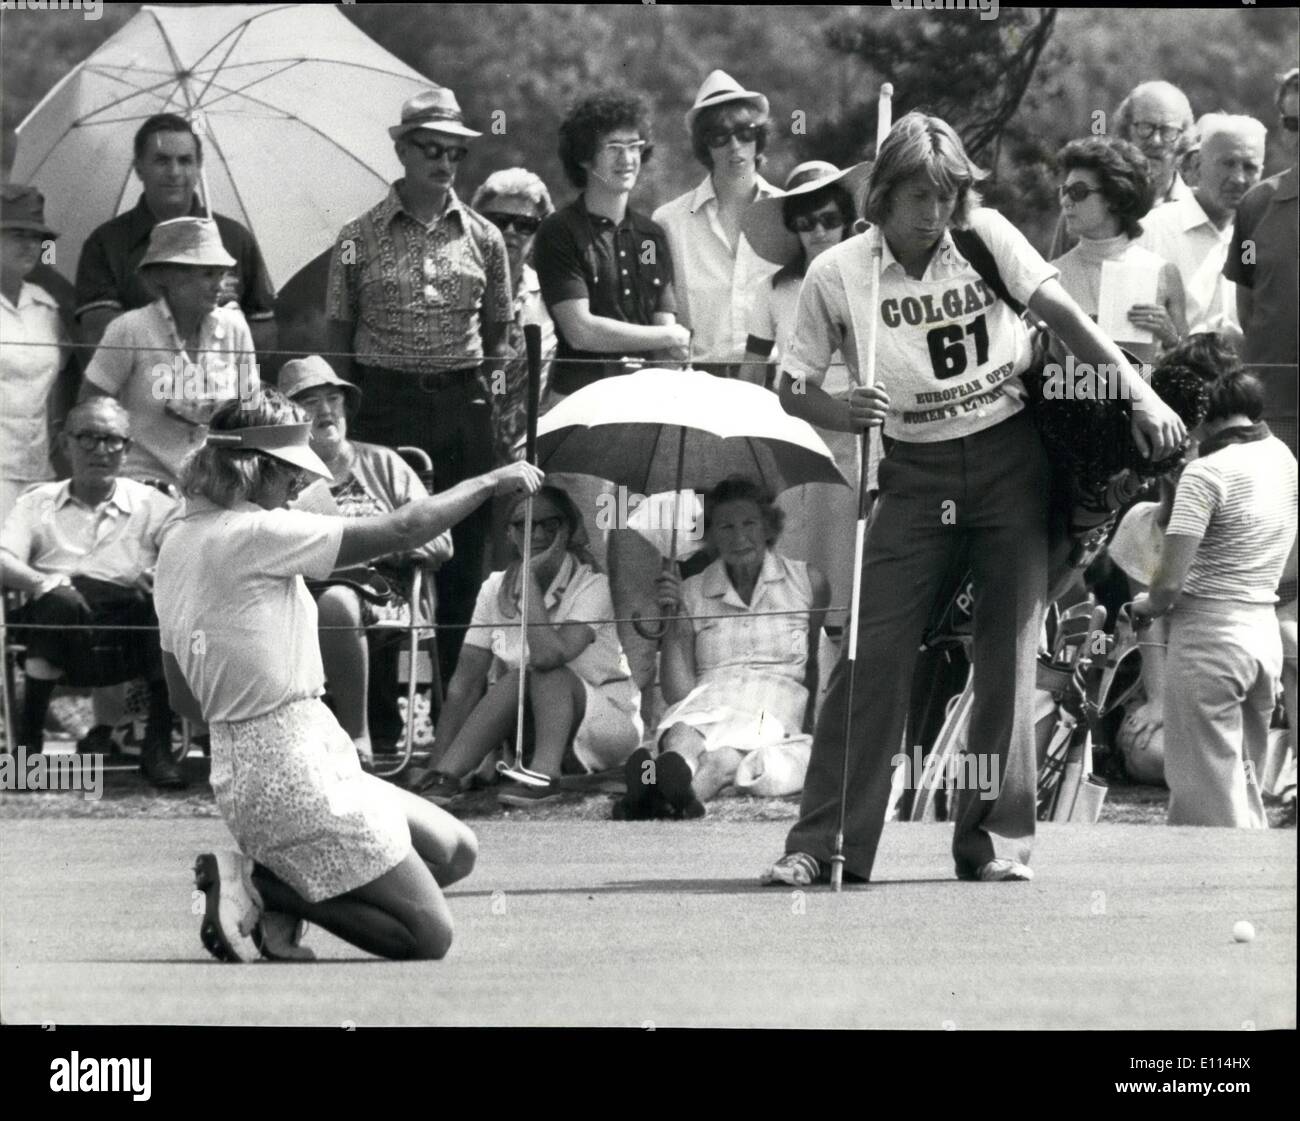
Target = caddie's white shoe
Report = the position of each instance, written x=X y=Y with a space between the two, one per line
x=1004 y=871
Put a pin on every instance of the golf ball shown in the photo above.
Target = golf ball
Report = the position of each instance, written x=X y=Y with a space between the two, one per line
x=1243 y=931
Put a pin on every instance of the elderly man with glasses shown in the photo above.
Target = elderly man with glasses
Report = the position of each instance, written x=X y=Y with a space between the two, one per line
x=418 y=303
x=718 y=273
x=84 y=551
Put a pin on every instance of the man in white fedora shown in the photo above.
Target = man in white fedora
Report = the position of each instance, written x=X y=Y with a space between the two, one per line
x=419 y=300
x=717 y=271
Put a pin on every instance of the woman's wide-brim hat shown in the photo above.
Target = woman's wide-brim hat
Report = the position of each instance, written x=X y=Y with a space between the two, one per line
x=187 y=241
x=287 y=442
x=23 y=208
x=764 y=226
x=302 y=374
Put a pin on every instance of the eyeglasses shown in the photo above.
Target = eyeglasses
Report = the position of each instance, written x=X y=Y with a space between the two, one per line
x=433 y=150
x=89 y=441
x=638 y=148
x=1077 y=192
x=1291 y=123
x=1145 y=130
x=807 y=223
x=550 y=525
x=524 y=223
x=718 y=137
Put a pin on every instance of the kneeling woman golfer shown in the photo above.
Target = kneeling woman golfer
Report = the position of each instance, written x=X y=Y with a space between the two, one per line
x=321 y=840
x=964 y=466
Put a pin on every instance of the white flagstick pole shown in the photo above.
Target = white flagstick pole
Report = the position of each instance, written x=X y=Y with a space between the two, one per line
x=884 y=120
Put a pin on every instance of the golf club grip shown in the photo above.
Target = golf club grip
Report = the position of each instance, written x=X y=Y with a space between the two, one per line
x=884 y=114
x=533 y=349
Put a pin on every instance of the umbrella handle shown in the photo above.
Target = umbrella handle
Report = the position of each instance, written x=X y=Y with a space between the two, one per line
x=652 y=629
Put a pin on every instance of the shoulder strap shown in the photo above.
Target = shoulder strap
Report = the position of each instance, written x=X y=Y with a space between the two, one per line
x=972 y=247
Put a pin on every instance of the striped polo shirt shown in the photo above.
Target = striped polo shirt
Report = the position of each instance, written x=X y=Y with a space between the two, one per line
x=1241 y=501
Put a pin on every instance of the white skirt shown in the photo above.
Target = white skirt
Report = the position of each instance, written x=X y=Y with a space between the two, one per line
x=293 y=794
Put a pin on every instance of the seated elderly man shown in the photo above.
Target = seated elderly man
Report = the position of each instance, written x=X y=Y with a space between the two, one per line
x=84 y=550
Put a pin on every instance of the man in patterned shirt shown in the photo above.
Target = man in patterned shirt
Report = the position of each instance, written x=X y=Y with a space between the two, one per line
x=419 y=299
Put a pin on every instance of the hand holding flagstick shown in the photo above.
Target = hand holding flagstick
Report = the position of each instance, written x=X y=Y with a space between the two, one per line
x=884 y=120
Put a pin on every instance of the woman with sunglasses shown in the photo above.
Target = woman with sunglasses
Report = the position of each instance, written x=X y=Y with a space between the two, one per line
x=516 y=201
x=320 y=841
x=584 y=705
x=1105 y=193
x=792 y=229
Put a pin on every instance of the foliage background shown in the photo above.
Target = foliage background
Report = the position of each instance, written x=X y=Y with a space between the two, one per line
x=532 y=60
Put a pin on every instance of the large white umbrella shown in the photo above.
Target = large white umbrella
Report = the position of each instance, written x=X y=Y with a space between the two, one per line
x=292 y=102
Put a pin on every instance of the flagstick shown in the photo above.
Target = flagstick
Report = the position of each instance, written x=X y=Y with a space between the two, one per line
x=883 y=121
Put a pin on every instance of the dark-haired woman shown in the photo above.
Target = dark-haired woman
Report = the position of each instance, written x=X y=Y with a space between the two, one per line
x=738 y=658
x=584 y=704
x=319 y=839
x=1105 y=193
x=1230 y=541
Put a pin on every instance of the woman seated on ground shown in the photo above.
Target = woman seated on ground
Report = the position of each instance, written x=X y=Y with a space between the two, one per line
x=584 y=704
x=1106 y=190
x=737 y=677
x=367 y=479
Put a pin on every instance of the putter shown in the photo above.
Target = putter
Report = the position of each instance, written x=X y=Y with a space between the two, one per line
x=519 y=772
x=884 y=117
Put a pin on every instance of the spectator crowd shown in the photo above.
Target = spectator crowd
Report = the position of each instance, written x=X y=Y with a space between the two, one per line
x=1169 y=243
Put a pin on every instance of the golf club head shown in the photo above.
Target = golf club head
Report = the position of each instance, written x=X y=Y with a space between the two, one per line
x=523 y=774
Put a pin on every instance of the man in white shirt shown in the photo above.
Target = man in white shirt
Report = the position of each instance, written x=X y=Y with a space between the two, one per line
x=33 y=346
x=716 y=269
x=84 y=551
x=1195 y=232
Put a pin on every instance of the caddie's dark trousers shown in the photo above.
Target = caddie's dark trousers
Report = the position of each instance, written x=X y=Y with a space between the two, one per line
x=448 y=416
x=992 y=489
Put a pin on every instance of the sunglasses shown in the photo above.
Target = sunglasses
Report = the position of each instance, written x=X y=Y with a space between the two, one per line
x=807 y=223
x=718 y=137
x=1291 y=123
x=1145 y=130
x=89 y=441
x=550 y=525
x=1078 y=192
x=524 y=223
x=433 y=150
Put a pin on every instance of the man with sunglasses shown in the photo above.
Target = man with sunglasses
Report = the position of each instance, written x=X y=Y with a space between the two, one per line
x=84 y=551
x=717 y=272
x=419 y=297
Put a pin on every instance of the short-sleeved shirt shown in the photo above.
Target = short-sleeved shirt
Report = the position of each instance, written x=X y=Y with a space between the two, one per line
x=167 y=392
x=624 y=270
x=107 y=275
x=233 y=608
x=714 y=282
x=1183 y=235
x=772 y=318
x=54 y=532
x=418 y=296
x=578 y=593
x=947 y=349
x=33 y=348
x=1241 y=502
x=1269 y=219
